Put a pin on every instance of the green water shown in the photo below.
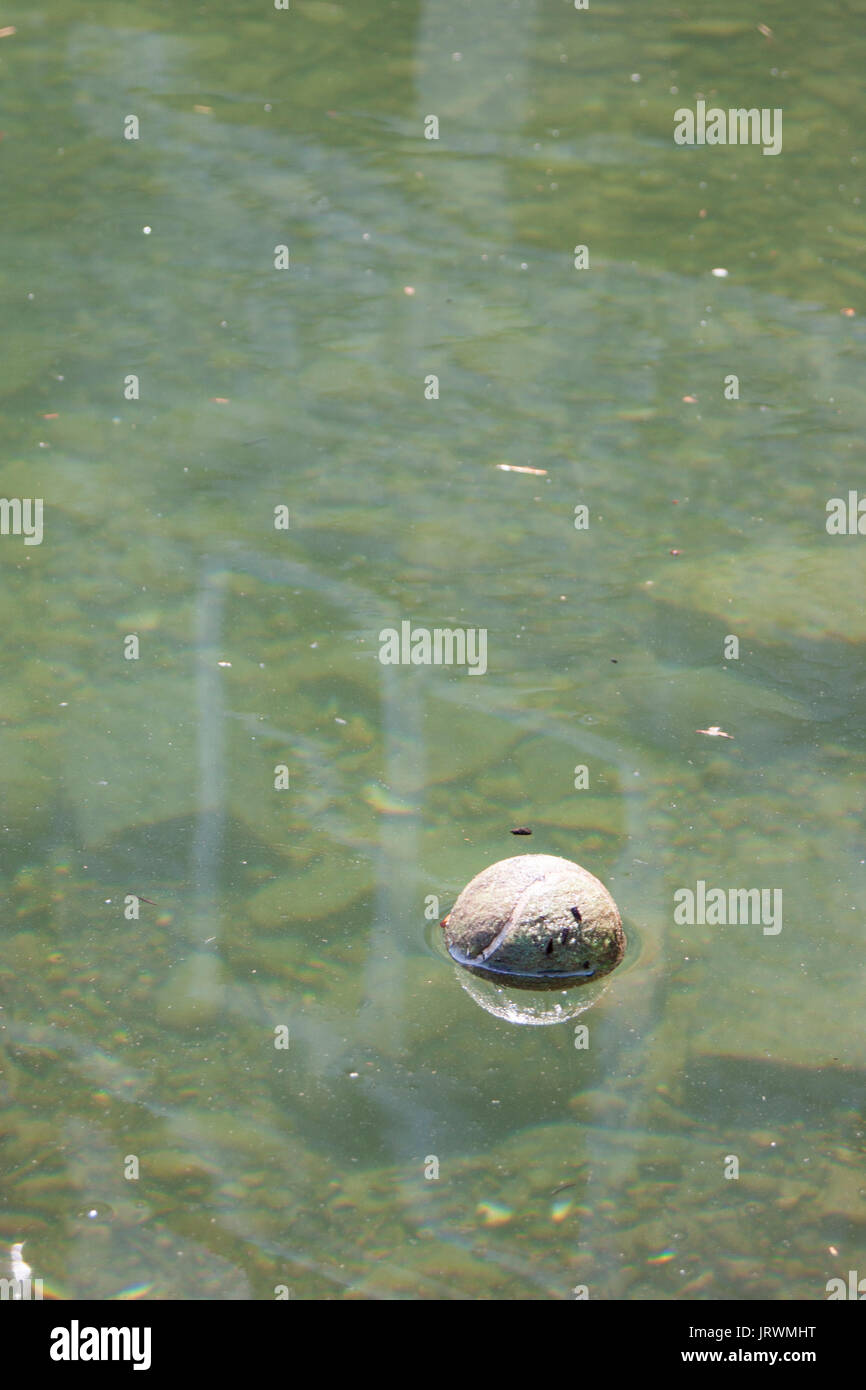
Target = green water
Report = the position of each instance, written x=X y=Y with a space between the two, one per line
x=147 y=1046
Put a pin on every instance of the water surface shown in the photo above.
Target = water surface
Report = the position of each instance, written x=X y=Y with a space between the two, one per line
x=312 y=908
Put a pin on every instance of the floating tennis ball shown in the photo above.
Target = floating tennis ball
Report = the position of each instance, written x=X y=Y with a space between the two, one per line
x=535 y=922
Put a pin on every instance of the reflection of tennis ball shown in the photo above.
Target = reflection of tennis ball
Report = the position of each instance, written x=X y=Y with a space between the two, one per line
x=535 y=922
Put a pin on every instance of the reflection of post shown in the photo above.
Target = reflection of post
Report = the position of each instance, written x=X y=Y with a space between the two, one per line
x=471 y=65
x=210 y=745
x=480 y=100
x=202 y=969
x=398 y=904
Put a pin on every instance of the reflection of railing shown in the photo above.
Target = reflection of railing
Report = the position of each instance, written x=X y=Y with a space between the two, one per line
x=402 y=696
x=395 y=856
x=403 y=1113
